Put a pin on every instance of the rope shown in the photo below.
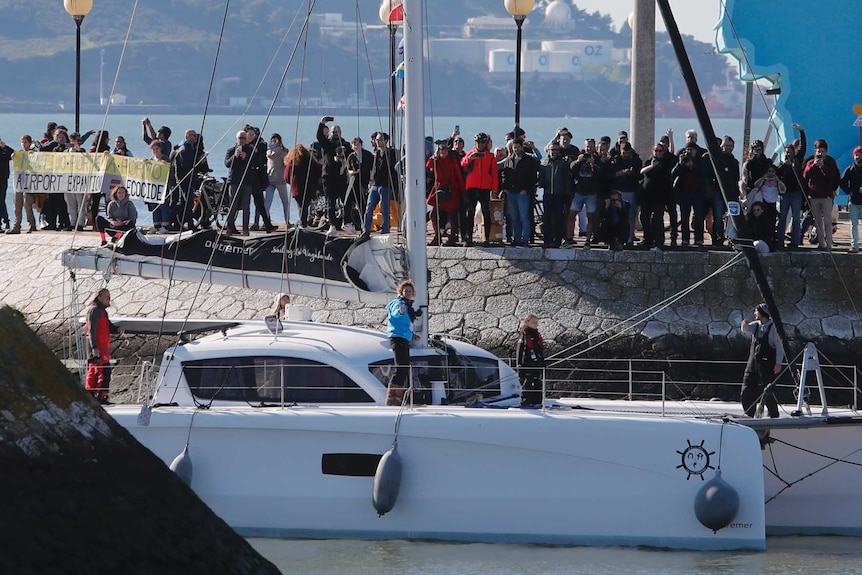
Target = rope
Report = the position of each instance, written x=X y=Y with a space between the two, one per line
x=645 y=315
x=82 y=207
x=788 y=484
x=819 y=225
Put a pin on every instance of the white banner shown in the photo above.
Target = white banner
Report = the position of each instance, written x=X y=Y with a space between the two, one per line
x=83 y=173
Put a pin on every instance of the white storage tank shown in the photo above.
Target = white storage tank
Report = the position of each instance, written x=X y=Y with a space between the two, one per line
x=501 y=61
x=535 y=61
x=591 y=52
x=564 y=63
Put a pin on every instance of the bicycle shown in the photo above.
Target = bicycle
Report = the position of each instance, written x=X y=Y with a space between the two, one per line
x=212 y=202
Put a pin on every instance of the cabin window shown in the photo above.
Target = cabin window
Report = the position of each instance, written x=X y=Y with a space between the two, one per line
x=465 y=379
x=271 y=380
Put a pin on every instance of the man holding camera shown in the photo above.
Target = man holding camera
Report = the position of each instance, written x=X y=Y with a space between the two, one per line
x=586 y=172
x=614 y=227
x=689 y=196
x=822 y=179
x=624 y=171
x=384 y=182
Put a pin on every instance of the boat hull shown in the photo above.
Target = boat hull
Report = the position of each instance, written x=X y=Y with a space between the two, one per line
x=812 y=476
x=489 y=475
x=812 y=465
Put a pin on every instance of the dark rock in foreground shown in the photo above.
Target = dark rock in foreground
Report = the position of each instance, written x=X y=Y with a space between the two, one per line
x=80 y=495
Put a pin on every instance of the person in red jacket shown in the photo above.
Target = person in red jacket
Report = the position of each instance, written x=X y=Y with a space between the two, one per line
x=447 y=193
x=482 y=178
x=99 y=329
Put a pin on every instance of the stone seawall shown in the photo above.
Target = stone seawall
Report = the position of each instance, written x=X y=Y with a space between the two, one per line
x=651 y=303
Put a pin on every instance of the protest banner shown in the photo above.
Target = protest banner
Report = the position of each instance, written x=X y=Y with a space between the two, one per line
x=83 y=173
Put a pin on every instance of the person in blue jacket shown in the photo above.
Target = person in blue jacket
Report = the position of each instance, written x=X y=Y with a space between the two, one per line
x=400 y=316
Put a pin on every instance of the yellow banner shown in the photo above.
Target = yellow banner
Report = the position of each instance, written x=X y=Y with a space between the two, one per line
x=83 y=173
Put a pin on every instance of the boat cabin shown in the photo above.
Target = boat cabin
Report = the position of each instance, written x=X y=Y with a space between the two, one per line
x=306 y=363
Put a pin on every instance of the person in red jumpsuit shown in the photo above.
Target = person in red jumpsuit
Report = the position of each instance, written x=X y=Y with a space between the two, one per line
x=99 y=330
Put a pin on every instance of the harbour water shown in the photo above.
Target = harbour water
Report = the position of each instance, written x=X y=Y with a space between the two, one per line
x=784 y=556
x=219 y=131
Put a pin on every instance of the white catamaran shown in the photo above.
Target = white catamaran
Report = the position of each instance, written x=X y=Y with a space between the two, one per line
x=283 y=432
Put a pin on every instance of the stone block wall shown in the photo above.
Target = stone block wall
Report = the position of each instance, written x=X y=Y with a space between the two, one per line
x=684 y=303
x=679 y=303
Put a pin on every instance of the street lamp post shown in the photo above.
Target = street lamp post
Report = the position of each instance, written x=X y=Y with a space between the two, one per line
x=77 y=9
x=519 y=9
x=392 y=18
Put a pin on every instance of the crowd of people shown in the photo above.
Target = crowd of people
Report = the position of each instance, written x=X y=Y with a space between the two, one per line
x=596 y=192
x=601 y=193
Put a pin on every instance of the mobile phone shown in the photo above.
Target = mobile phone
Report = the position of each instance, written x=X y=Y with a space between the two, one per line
x=457 y=127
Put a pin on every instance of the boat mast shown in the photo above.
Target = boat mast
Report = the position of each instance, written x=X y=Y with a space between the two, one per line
x=414 y=138
x=708 y=132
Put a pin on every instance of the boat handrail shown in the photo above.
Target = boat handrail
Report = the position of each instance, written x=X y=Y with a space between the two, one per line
x=146 y=381
x=638 y=379
x=633 y=379
x=267 y=386
x=301 y=339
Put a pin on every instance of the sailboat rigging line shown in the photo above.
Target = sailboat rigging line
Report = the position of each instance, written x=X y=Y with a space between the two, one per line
x=832 y=461
x=356 y=35
x=179 y=185
x=748 y=65
x=771 y=121
x=428 y=75
x=302 y=34
x=370 y=73
x=221 y=232
x=751 y=255
x=199 y=156
x=642 y=316
x=818 y=224
x=767 y=389
x=362 y=43
x=83 y=205
x=848 y=380
x=774 y=469
x=76 y=332
x=260 y=85
x=287 y=66
x=266 y=119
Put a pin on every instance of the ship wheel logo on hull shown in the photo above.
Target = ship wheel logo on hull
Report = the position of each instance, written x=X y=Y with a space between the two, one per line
x=695 y=460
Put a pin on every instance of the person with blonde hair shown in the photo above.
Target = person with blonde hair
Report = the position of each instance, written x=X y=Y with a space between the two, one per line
x=530 y=357
x=282 y=300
